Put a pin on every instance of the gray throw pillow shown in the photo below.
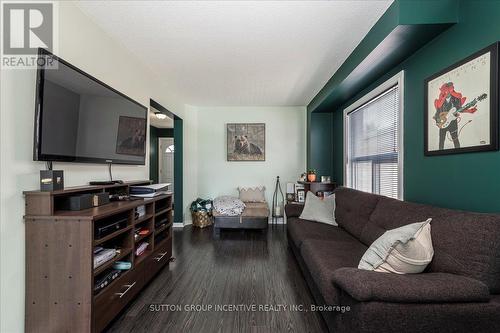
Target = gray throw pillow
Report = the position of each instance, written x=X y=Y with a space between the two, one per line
x=404 y=250
x=319 y=210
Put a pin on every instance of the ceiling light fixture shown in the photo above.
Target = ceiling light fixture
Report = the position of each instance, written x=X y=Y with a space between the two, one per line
x=160 y=115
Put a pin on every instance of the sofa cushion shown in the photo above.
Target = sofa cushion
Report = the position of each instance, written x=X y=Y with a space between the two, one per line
x=323 y=257
x=404 y=250
x=391 y=213
x=256 y=209
x=390 y=317
x=300 y=230
x=367 y=286
x=353 y=209
x=465 y=243
x=320 y=210
x=468 y=244
x=293 y=210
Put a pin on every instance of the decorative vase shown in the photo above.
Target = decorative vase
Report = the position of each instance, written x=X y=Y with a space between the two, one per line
x=311 y=177
x=278 y=202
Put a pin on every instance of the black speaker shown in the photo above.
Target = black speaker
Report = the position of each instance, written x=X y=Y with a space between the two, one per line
x=78 y=202
x=51 y=180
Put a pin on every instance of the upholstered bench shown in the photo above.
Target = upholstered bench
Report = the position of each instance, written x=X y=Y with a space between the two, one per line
x=255 y=216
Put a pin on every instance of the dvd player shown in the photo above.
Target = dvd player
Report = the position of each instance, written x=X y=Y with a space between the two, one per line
x=106 y=280
x=106 y=229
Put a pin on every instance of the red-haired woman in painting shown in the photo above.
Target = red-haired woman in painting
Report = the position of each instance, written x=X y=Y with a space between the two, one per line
x=448 y=108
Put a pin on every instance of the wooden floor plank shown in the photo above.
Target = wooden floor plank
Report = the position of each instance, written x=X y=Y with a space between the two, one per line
x=249 y=268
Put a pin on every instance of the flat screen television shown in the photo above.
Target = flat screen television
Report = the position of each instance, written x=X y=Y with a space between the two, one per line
x=80 y=119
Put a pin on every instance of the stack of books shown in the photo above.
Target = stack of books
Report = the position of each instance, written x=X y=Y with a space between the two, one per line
x=141 y=249
x=149 y=191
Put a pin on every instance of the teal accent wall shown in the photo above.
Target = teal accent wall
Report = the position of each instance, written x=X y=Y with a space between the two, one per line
x=178 y=170
x=321 y=143
x=463 y=181
x=154 y=134
x=153 y=154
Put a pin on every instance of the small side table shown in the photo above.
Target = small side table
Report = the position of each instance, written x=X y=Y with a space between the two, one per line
x=316 y=187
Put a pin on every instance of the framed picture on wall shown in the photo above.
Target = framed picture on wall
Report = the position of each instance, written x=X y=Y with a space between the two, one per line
x=461 y=106
x=301 y=195
x=246 y=142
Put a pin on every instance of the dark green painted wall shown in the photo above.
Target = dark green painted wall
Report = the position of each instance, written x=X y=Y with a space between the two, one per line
x=178 y=170
x=464 y=181
x=321 y=144
x=154 y=134
x=153 y=154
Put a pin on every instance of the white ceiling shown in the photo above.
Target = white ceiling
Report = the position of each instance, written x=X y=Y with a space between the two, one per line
x=245 y=53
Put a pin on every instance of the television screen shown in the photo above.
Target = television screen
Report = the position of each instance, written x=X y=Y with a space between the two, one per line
x=80 y=119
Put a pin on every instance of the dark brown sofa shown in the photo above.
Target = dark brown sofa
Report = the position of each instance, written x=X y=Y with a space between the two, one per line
x=458 y=292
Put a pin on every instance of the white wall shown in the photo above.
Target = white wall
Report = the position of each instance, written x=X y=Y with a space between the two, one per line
x=190 y=167
x=285 y=149
x=83 y=44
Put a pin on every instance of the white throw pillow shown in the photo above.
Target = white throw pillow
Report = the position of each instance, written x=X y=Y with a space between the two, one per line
x=404 y=250
x=252 y=194
x=319 y=210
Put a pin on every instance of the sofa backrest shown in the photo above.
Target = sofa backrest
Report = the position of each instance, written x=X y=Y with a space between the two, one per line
x=465 y=243
x=353 y=209
x=391 y=213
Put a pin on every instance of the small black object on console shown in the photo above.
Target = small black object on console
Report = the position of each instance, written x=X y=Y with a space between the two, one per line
x=51 y=180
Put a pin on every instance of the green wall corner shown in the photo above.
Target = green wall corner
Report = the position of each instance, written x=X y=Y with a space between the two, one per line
x=178 y=170
x=321 y=143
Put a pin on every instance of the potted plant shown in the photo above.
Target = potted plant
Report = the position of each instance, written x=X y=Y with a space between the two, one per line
x=311 y=175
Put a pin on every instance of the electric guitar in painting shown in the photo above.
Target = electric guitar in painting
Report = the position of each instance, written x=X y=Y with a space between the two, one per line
x=443 y=119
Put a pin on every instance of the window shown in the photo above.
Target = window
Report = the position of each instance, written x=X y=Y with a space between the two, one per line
x=170 y=149
x=373 y=141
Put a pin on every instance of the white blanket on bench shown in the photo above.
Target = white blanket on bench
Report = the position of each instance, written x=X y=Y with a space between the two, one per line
x=228 y=205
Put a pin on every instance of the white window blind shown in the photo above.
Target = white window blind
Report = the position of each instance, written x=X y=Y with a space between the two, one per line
x=372 y=147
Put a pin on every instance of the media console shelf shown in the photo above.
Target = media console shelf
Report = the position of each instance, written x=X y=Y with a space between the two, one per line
x=60 y=244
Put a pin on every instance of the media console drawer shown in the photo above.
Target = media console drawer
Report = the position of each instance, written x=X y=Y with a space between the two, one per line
x=159 y=258
x=113 y=299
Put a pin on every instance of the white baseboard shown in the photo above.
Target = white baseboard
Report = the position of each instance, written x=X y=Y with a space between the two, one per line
x=182 y=224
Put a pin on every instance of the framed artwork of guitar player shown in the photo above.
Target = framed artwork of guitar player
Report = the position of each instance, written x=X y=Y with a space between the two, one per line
x=461 y=106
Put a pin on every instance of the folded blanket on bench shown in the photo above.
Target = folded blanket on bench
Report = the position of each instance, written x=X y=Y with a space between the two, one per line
x=228 y=205
x=252 y=210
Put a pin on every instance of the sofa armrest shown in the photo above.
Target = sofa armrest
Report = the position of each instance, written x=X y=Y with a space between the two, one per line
x=363 y=285
x=293 y=210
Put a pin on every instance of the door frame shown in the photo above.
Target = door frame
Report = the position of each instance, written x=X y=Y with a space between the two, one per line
x=178 y=161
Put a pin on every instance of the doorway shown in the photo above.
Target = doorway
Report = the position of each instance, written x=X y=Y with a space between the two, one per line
x=165 y=160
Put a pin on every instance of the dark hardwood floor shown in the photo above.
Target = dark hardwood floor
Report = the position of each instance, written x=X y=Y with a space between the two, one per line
x=243 y=268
